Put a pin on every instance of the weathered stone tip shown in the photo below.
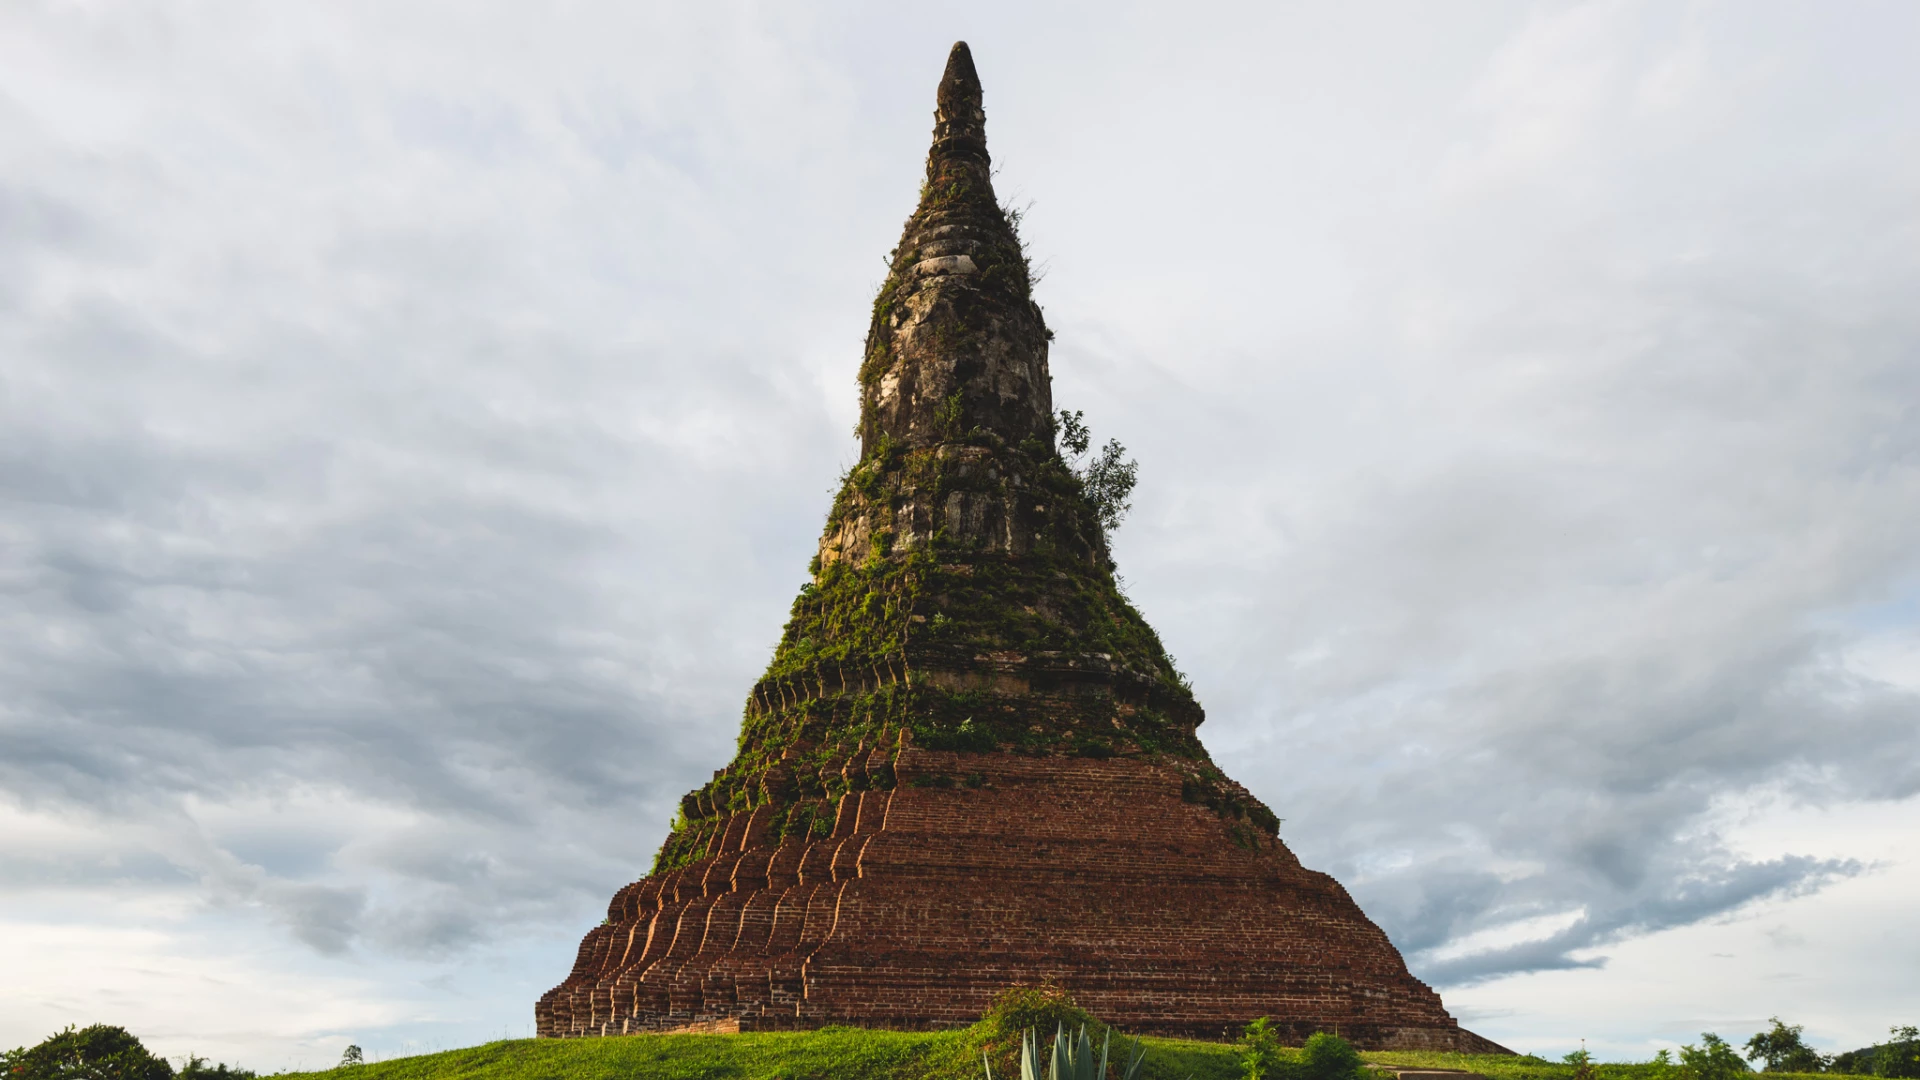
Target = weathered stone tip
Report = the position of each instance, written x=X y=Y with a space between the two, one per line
x=959 y=123
x=960 y=85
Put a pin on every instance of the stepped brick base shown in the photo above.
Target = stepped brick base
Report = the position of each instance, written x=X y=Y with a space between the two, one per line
x=980 y=871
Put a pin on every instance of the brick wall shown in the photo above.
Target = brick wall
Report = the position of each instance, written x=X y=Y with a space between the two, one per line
x=925 y=901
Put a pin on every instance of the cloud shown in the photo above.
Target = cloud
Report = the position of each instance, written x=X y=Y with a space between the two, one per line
x=1581 y=552
x=415 y=423
x=1683 y=899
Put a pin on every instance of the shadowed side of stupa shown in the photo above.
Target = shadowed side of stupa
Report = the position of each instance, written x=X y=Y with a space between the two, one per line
x=970 y=762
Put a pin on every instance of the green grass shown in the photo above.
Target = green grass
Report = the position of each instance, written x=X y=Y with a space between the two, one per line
x=832 y=1052
x=1527 y=1067
x=857 y=1054
x=836 y=1053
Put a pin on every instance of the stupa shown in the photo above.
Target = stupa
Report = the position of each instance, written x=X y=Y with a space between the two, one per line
x=971 y=764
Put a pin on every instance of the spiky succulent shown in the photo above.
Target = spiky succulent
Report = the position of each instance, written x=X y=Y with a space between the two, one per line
x=1072 y=1057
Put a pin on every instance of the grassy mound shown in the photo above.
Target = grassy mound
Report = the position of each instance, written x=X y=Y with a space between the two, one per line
x=832 y=1052
x=843 y=1053
x=835 y=1053
x=858 y=1054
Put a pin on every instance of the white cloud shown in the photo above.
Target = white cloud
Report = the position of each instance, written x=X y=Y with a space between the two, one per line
x=1833 y=961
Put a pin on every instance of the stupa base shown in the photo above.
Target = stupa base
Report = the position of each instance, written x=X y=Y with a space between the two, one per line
x=975 y=872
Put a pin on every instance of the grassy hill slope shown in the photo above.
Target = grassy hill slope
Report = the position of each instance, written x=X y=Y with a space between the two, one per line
x=857 y=1054
x=838 y=1053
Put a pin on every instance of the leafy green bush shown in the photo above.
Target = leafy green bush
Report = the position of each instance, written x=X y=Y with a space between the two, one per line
x=1329 y=1057
x=1259 y=1049
x=100 y=1052
x=1046 y=1007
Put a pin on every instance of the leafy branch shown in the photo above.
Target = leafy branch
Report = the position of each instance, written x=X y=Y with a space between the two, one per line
x=1107 y=478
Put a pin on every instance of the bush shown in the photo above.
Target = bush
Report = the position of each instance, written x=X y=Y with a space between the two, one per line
x=1008 y=1039
x=1072 y=1057
x=1044 y=1008
x=100 y=1052
x=1329 y=1057
x=1259 y=1049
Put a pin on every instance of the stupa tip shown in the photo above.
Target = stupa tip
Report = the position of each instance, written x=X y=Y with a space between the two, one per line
x=960 y=86
x=959 y=123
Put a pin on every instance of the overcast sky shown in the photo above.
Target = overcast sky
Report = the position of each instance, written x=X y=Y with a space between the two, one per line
x=415 y=420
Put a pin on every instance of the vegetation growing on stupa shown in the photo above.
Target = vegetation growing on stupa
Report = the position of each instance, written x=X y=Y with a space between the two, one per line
x=964 y=596
x=899 y=648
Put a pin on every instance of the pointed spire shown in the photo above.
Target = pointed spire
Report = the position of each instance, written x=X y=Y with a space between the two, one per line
x=957 y=350
x=960 y=124
x=960 y=83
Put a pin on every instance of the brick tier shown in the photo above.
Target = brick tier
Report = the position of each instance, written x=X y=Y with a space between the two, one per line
x=980 y=871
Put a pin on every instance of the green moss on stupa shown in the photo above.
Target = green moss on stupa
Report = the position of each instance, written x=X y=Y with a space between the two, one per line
x=963 y=597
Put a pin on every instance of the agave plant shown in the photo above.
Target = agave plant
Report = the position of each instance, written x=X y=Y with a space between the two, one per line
x=1072 y=1058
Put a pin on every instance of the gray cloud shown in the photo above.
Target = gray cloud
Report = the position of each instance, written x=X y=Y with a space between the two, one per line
x=414 y=426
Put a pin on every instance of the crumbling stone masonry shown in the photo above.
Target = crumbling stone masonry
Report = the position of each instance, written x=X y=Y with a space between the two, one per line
x=971 y=763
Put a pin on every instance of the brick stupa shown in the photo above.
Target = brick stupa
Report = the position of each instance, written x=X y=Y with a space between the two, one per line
x=971 y=763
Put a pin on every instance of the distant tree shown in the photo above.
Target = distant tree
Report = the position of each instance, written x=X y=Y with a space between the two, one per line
x=1858 y=1062
x=351 y=1056
x=100 y=1052
x=1900 y=1055
x=1713 y=1059
x=1329 y=1057
x=1783 y=1051
x=1259 y=1049
x=196 y=1068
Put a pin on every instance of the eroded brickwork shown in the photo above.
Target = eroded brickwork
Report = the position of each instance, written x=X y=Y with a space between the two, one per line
x=979 y=871
x=971 y=763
